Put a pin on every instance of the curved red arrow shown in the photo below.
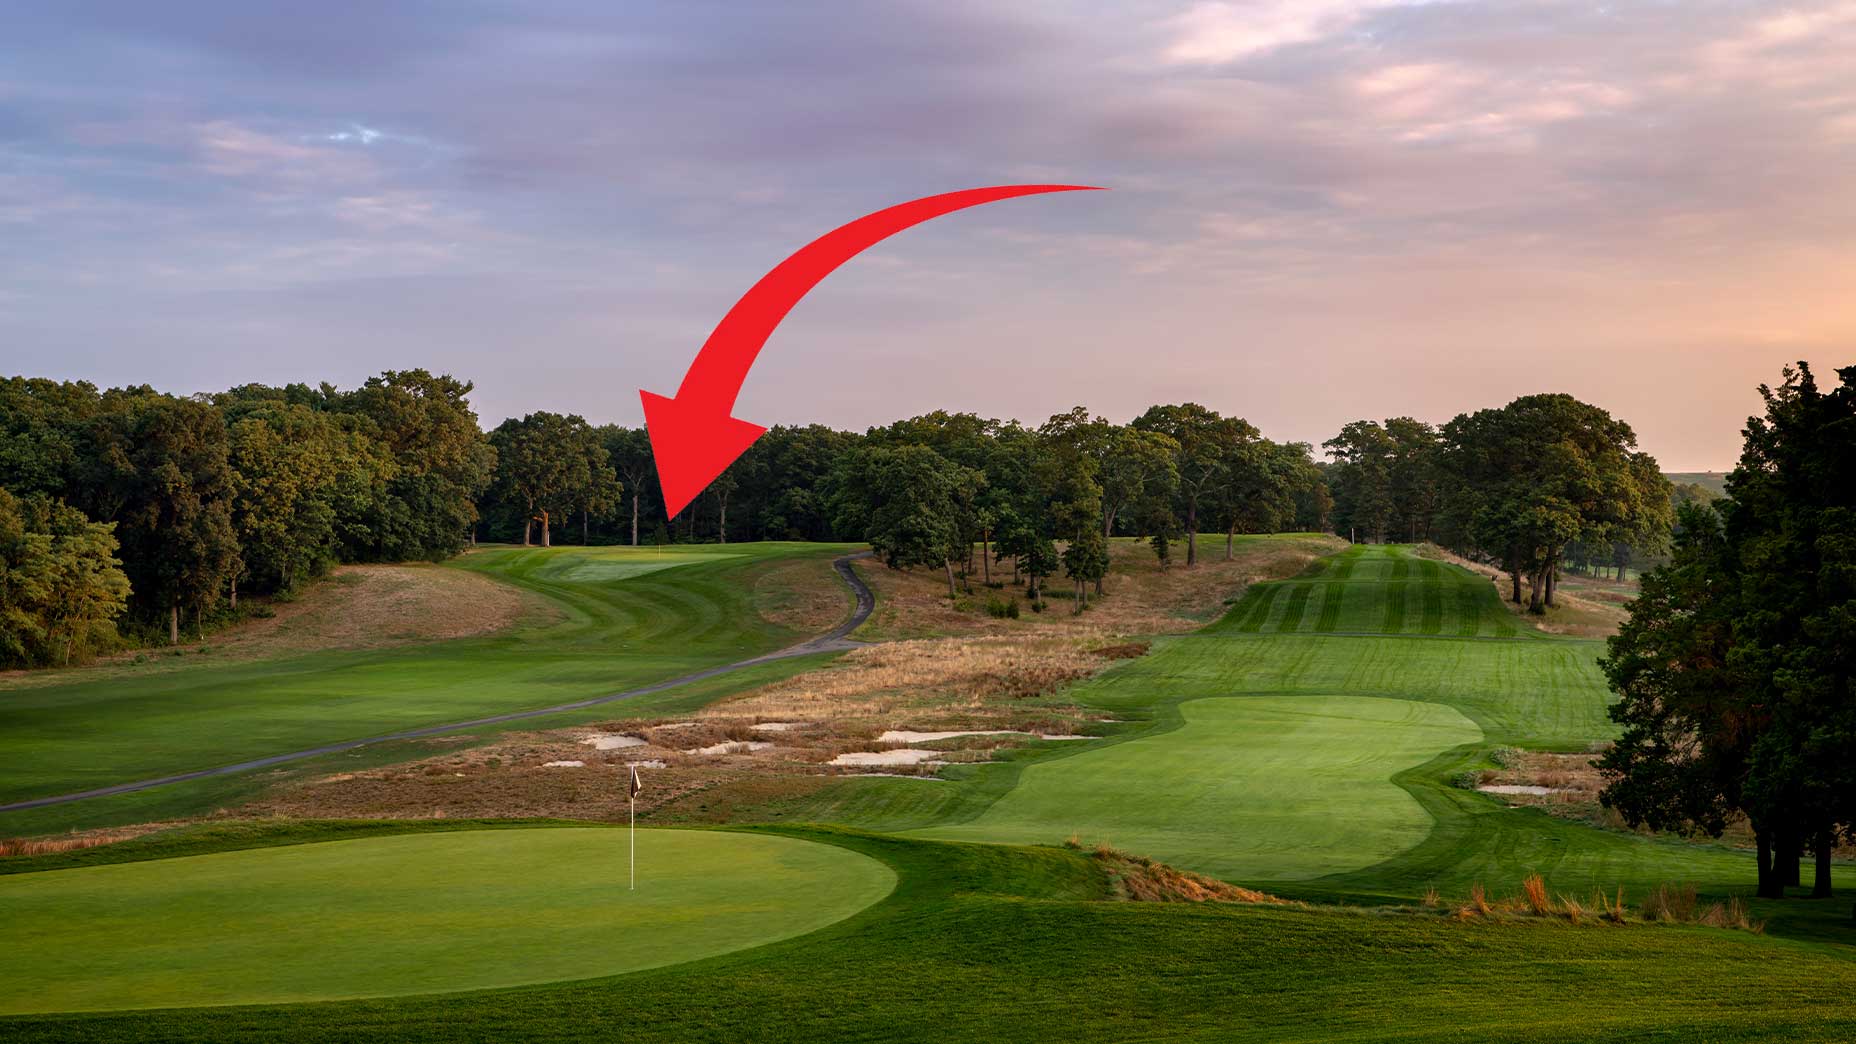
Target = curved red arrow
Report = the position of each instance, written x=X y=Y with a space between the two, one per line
x=693 y=436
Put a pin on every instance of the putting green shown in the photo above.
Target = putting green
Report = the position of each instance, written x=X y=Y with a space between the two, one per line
x=1249 y=788
x=409 y=914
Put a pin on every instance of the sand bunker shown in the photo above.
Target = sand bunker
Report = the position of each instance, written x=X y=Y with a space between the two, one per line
x=563 y=764
x=731 y=747
x=779 y=726
x=891 y=775
x=905 y=736
x=645 y=764
x=1517 y=788
x=612 y=741
x=870 y=758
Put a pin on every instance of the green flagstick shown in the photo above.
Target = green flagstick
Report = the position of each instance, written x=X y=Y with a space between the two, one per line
x=632 y=800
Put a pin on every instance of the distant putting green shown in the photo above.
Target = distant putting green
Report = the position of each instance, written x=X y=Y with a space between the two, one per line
x=1254 y=789
x=409 y=914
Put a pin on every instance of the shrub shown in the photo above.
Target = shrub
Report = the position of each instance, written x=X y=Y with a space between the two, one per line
x=1506 y=757
x=1011 y=609
x=1534 y=890
x=1468 y=780
x=1670 y=903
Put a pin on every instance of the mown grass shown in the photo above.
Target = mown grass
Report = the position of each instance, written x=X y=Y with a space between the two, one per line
x=632 y=616
x=432 y=911
x=990 y=943
x=1265 y=753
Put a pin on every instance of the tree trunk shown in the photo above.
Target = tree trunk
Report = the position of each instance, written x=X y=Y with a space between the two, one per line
x=1768 y=887
x=1514 y=578
x=528 y=527
x=1192 y=535
x=199 y=621
x=986 y=555
x=1789 y=856
x=634 y=519
x=174 y=624
x=546 y=533
x=1553 y=574
x=1230 y=537
x=583 y=514
x=1820 y=885
x=235 y=594
x=1537 y=592
x=722 y=531
x=948 y=564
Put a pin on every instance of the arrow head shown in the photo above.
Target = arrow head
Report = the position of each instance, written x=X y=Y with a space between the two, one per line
x=692 y=443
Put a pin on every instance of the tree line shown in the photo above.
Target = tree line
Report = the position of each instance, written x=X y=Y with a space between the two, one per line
x=925 y=491
x=1531 y=487
x=137 y=507
x=1734 y=669
x=260 y=488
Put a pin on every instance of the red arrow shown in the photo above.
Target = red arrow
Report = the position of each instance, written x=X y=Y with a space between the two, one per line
x=693 y=436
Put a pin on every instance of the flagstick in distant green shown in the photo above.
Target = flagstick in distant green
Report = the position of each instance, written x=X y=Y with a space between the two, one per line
x=631 y=798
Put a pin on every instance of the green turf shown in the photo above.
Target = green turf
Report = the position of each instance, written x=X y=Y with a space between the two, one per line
x=631 y=616
x=1259 y=789
x=1268 y=754
x=983 y=943
x=409 y=914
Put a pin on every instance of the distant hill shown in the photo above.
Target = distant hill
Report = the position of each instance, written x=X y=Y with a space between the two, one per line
x=1713 y=481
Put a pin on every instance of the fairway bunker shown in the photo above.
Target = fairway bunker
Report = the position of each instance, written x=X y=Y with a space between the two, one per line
x=612 y=741
x=870 y=758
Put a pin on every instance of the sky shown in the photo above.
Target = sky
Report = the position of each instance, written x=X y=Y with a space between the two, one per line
x=1318 y=211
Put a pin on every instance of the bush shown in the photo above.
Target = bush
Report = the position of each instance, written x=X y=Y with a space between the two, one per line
x=1506 y=757
x=1467 y=780
x=1000 y=609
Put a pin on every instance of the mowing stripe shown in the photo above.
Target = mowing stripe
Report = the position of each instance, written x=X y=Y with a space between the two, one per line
x=1292 y=612
x=1331 y=599
x=1432 y=621
x=1400 y=569
x=1469 y=610
x=1257 y=607
x=1343 y=567
x=1395 y=608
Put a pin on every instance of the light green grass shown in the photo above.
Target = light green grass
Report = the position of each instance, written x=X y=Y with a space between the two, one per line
x=617 y=632
x=409 y=914
x=1259 y=789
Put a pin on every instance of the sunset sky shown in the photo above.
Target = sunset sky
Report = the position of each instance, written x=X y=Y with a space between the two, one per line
x=1321 y=210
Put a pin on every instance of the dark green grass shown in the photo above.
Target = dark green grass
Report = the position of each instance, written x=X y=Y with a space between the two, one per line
x=995 y=943
x=628 y=620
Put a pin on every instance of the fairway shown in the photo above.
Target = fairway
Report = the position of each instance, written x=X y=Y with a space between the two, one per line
x=1252 y=789
x=1377 y=590
x=629 y=616
x=409 y=914
x=1280 y=755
